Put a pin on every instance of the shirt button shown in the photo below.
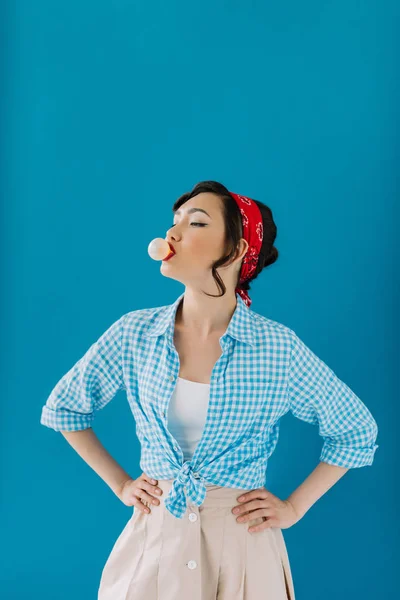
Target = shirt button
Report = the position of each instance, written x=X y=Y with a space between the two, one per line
x=196 y=475
x=171 y=378
x=164 y=414
x=192 y=564
x=192 y=517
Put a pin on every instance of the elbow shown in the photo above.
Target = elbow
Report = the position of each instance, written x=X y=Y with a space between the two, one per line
x=352 y=450
x=63 y=419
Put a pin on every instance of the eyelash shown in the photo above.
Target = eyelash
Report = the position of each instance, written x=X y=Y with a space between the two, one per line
x=199 y=224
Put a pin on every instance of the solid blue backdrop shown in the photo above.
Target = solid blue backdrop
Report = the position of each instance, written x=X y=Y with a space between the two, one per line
x=110 y=111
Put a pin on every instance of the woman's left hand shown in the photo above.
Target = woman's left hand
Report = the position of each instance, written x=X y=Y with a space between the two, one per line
x=262 y=503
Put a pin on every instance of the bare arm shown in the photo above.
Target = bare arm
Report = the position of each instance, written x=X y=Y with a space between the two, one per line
x=88 y=446
x=317 y=483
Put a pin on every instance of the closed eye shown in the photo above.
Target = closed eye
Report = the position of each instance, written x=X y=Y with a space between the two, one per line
x=198 y=224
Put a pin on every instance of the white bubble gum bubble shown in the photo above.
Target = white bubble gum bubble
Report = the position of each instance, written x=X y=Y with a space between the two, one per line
x=159 y=249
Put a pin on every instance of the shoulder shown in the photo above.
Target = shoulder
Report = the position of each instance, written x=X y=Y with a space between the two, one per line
x=140 y=320
x=265 y=328
x=284 y=340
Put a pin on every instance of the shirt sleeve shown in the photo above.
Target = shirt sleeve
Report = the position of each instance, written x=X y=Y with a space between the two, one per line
x=316 y=395
x=88 y=386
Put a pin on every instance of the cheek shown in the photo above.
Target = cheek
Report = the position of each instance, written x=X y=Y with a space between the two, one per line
x=203 y=246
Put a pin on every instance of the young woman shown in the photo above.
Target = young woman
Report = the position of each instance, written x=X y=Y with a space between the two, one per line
x=208 y=380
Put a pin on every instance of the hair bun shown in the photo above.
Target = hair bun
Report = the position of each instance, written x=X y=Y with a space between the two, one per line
x=272 y=257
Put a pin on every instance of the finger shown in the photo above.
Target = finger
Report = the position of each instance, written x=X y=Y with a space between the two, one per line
x=150 y=479
x=151 y=489
x=139 y=505
x=250 y=505
x=254 y=514
x=244 y=497
x=257 y=493
x=146 y=497
x=265 y=525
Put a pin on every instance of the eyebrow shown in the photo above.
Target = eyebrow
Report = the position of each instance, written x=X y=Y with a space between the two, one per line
x=192 y=210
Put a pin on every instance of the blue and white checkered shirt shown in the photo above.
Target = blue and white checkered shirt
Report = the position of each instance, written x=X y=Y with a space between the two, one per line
x=264 y=371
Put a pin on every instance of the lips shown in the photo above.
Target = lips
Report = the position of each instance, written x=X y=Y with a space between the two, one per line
x=172 y=253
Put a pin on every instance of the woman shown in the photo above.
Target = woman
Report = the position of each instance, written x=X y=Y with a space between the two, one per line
x=208 y=380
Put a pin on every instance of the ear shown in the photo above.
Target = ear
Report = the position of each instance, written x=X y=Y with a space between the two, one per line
x=241 y=250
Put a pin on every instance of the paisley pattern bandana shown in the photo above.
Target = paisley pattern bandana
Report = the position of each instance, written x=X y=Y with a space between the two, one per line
x=253 y=234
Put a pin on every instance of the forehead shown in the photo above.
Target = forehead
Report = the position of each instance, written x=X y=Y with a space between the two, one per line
x=210 y=202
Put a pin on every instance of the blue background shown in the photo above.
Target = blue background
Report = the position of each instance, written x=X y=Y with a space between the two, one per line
x=110 y=111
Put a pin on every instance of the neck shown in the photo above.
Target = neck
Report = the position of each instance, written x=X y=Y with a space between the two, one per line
x=204 y=316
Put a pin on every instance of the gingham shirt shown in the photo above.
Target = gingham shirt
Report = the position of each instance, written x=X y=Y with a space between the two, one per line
x=264 y=371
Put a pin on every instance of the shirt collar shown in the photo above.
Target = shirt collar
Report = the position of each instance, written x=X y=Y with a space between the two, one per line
x=240 y=326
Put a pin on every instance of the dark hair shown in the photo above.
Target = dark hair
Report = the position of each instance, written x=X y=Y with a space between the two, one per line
x=234 y=231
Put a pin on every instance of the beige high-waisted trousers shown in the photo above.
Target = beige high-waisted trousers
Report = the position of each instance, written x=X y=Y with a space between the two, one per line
x=206 y=555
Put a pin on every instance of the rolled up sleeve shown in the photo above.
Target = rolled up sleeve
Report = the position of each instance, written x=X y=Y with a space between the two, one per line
x=316 y=395
x=88 y=386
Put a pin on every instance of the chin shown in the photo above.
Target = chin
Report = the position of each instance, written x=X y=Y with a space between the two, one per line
x=165 y=273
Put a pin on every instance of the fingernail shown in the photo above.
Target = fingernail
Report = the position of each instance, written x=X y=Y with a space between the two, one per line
x=241 y=498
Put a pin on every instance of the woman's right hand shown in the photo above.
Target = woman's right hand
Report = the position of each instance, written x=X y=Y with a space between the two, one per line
x=138 y=492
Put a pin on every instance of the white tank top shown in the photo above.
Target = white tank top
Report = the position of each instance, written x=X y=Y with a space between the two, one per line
x=187 y=413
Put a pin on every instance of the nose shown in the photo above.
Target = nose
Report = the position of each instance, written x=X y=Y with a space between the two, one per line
x=171 y=236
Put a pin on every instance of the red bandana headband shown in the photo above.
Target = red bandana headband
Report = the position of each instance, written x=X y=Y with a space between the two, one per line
x=253 y=234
